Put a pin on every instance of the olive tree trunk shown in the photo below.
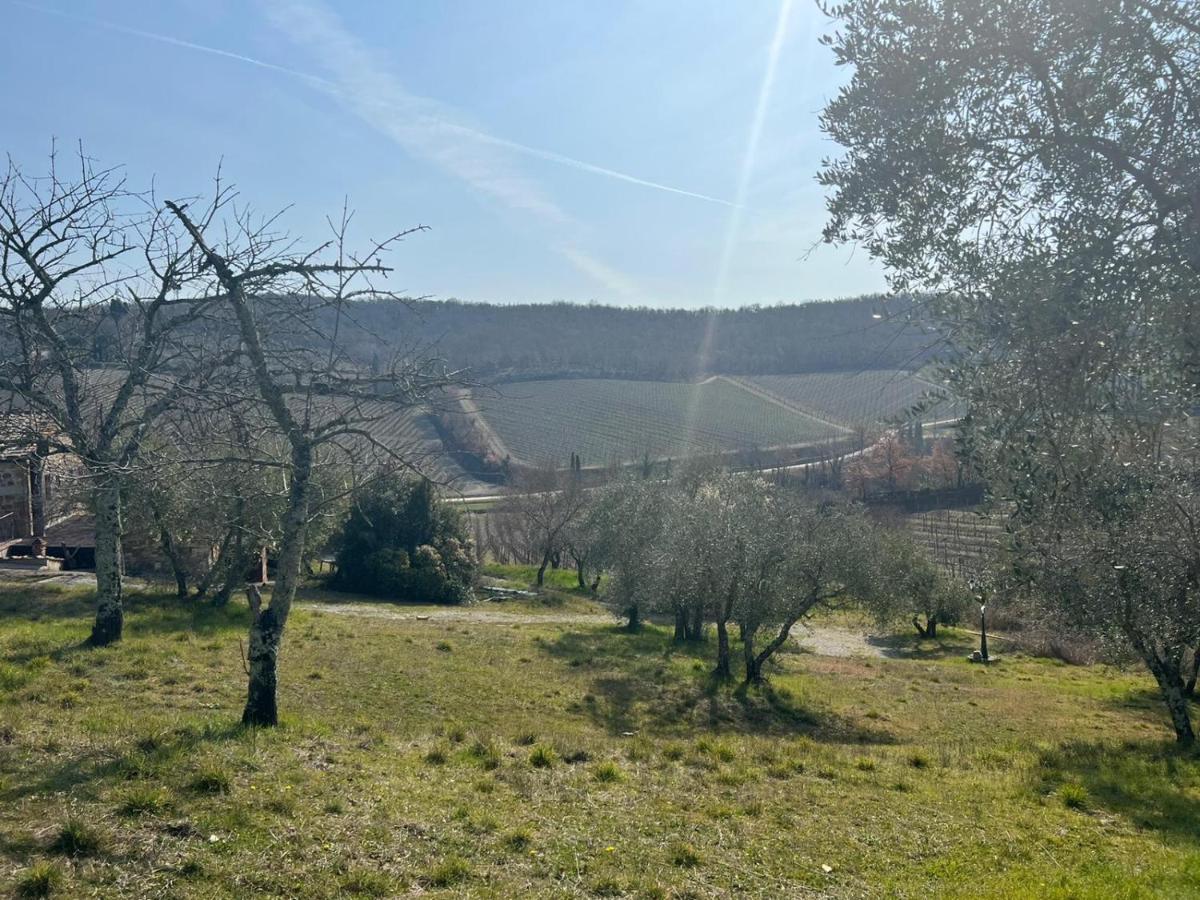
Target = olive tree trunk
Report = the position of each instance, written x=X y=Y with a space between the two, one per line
x=756 y=661
x=1173 y=689
x=681 y=625
x=110 y=613
x=723 y=668
x=696 y=628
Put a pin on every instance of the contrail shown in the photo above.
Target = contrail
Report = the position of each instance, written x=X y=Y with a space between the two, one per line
x=326 y=84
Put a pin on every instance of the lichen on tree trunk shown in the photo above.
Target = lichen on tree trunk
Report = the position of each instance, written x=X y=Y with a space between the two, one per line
x=1171 y=684
x=267 y=623
x=110 y=614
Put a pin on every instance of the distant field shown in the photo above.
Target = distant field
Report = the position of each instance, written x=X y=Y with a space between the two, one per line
x=616 y=421
x=851 y=398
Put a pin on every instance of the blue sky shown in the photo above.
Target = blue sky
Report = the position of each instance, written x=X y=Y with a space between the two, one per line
x=660 y=152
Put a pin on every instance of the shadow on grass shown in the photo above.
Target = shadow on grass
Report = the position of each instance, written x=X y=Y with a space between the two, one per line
x=1151 y=784
x=146 y=758
x=645 y=681
x=911 y=646
x=36 y=604
x=146 y=615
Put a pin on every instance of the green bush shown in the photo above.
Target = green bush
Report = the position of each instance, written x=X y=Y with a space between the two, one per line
x=400 y=541
x=77 y=838
x=42 y=879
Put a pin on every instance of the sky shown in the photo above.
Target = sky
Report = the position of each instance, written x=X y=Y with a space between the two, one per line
x=649 y=152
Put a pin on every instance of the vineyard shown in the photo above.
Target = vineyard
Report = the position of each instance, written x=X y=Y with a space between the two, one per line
x=410 y=434
x=613 y=421
x=853 y=399
x=960 y=541
x=610 y=421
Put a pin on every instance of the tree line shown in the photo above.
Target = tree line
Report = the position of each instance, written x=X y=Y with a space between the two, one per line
x=523 y=340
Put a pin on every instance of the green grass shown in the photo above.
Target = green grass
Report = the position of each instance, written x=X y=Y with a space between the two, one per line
x=42 y=879
x=404 y=769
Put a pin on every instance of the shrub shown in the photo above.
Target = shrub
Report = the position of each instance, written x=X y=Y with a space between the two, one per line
x=1073 y=796
x=518 y=839
x=685 y=856
x=400 y=540
x=367 y=883
x=542 y=757
x=42 y=879
x=211 y=780
x=450 y=871
x=486 y=753
x=142 y=800
x=77 y=838
x=607 y=772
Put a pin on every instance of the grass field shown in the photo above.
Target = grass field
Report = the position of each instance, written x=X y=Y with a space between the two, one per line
x=853 y=398
x=608 y=421
x=534 y=757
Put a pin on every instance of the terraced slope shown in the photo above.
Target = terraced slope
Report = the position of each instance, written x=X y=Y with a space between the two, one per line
x=411 y=435
x=608 y=421
x=852 y=398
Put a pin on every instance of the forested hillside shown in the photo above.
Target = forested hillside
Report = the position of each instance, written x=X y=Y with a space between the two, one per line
x=538 y=340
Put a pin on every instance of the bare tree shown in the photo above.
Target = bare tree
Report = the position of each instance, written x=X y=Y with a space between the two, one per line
x=94 y=329
x=549 y=502
x=290 y=309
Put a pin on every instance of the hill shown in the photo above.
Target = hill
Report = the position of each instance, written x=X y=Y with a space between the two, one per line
x=498 y=342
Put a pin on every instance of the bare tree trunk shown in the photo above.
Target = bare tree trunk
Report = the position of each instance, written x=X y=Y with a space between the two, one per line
x=217 y=567
x=579 y=572
x=167 y=541
x=171 y=552
x=634 y=615
x=235 y=571
x=266 y=626
x=110 y=614
x=696 y=633
x=681 y=625
x=541 y=573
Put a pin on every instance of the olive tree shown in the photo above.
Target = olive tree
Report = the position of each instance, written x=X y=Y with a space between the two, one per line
x=810 y=556
x=1031 y=165
x=625 y=523
x=913 y=589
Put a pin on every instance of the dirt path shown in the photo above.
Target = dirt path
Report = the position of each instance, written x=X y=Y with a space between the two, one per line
x=824 y=640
